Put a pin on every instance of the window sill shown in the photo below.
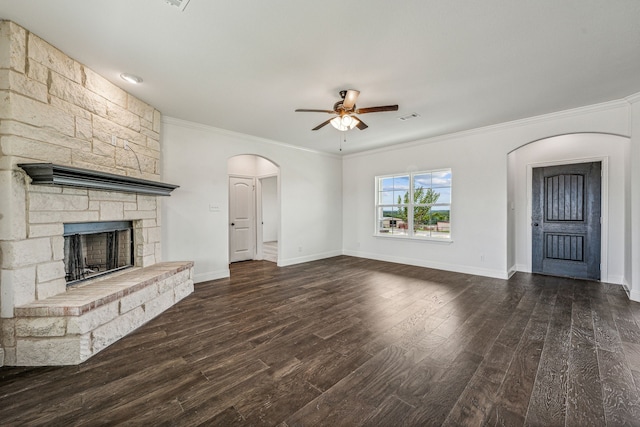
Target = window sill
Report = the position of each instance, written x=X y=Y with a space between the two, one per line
x=414 y=238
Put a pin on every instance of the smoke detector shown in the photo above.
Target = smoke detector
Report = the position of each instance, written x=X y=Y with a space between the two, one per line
x=180 y=4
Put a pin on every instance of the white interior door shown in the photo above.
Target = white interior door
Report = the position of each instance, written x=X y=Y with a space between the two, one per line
x=242 y=234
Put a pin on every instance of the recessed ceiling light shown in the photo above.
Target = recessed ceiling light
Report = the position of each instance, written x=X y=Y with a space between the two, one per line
x=131 y=78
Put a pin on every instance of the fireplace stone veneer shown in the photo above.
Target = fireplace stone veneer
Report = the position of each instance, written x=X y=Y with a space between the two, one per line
x=93 y=153
x=69 y=328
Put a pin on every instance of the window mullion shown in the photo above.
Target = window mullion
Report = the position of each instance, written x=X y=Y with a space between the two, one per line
x=410 y=226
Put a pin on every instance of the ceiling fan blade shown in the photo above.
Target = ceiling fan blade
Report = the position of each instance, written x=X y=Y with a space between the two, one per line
x=361 y=125
x=377 y=109
x=304 y=110
x=350 y=99
x=321 y=125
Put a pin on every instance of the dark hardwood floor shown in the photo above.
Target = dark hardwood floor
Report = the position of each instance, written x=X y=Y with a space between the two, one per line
x=348 y=341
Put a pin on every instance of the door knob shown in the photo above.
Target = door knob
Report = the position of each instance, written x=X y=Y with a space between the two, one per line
x=233 y=223
x=535 y=224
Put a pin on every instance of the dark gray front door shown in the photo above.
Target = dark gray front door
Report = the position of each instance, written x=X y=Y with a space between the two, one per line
x=566 y=220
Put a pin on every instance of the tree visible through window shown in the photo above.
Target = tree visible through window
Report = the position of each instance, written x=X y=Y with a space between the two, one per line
x=414 y=205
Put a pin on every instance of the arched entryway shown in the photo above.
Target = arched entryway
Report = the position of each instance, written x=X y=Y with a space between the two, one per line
x=254 y=208
x=611 y=151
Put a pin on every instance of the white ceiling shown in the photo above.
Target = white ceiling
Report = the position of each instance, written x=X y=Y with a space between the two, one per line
x=245 y=66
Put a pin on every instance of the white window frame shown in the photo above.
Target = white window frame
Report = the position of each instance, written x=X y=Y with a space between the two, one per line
x=410 y=234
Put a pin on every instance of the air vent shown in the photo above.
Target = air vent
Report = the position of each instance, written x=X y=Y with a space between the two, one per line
x=180 y=4
x=409 y=117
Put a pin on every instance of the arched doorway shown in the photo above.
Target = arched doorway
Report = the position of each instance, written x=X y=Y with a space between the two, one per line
x=610 y=151
x=254 y=208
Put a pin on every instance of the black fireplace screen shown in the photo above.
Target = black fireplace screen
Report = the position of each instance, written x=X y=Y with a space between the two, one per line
x=95 y=248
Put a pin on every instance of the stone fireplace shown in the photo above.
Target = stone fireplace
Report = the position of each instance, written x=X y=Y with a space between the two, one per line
x=55 y=111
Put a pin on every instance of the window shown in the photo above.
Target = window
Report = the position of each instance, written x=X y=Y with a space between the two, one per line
x=414 y=205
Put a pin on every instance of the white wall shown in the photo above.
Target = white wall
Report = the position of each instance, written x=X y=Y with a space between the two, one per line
x=269 y=209
x=251 y=166
x=632 y=270
x=571 y=149
x=479 y=213
x=243 y=165
x=512 y=182
x=265 y=168
x=195 y=218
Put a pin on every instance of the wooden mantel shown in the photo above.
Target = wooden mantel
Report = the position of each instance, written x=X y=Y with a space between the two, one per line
x=51 y=174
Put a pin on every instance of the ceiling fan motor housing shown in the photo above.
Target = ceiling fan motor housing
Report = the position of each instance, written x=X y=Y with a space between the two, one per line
x=338 y=107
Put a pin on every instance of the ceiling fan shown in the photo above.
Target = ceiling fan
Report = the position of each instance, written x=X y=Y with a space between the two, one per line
x=345 y=110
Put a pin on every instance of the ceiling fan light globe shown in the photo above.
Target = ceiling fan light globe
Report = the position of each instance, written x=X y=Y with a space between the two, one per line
x=344 y=123
x=336 y=122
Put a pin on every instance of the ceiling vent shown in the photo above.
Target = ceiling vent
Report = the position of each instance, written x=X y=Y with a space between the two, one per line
x=409 y=117
x=180 y=4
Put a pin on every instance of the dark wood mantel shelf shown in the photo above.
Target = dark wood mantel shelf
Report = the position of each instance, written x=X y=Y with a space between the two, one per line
x=50 y=174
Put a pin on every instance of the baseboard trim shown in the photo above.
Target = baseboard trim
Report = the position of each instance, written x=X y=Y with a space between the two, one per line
x=616 y=280
x=633 y=294
x=308 y=258
x=486 y=272
x=211 y=275
x=625 y=286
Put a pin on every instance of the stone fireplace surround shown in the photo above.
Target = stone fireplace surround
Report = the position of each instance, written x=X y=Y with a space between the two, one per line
x=65 y=326
x=53 y=109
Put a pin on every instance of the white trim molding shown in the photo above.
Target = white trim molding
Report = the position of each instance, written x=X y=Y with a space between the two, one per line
x=198 y=126
x=486 y=272
x=307 y=258
x=604 y=106
x=211 y=275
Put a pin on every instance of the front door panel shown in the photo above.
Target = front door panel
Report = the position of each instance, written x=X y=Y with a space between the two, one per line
x=566 y=220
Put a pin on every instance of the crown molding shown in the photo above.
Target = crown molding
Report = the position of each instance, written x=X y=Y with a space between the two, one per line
x=604 y=106
x=208 y=128
x=594 y=108
x=632 y=99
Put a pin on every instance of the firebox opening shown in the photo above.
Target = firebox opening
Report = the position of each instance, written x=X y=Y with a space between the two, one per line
x=93 y=249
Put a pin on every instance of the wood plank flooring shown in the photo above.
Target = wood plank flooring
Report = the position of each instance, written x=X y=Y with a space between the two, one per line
x=350 y=342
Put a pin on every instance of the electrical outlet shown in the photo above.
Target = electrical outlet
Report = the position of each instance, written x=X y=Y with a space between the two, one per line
x=126 y=144
x=114 y=140
x=299 y=248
